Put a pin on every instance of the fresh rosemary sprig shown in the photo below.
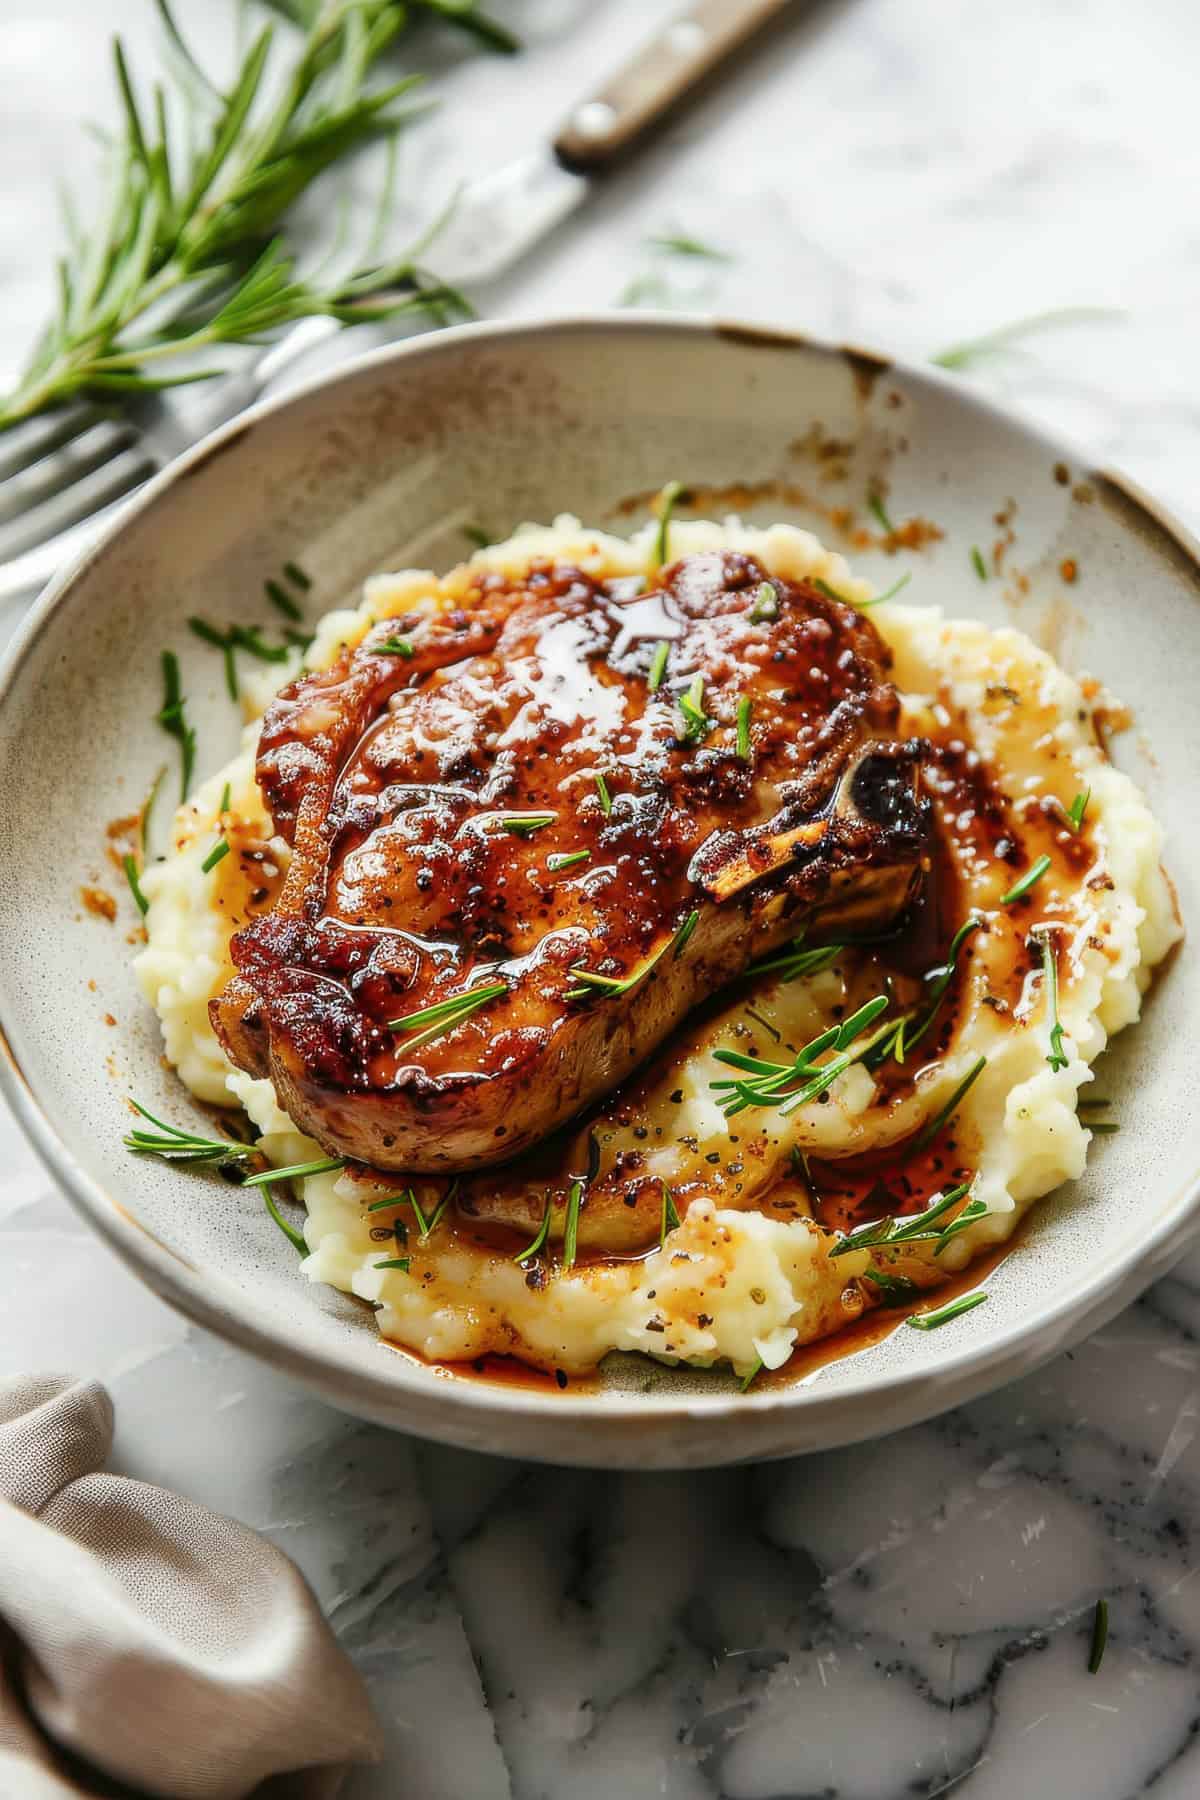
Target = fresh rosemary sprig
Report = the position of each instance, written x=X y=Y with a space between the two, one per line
x=831 y=593
x=395 y=646
x=612 y=986
x=894 y=1290
x=933 y=1321
x=543 y=1232
x=890 y=1231
x=766 y=604
x=1043 y=938
x=294 y=1237
x=223 y=803
x=879 y=512
x=566 y=859
x=175 y=1145
x=770 y=1083
x=171 y=717
x=681 y=244
x=525 y=824
x=295 y=1171
x=940 y=980
x=977 y=562
x=670 y=1218
x=790 y=964
x=748 y=1380
x=147 y=812
x=132 y=876
x=1029 y=879
x=696 y=722
x=1099 y=1637
x=942 y=1118
x=217 y=854
x=1074 y=814
x=668 y=500
x=603 y=795
x=445 y=1015
x=744 y=710
x=974 y=350
x=571 y=1225
x=658 y=667
x=185 y=254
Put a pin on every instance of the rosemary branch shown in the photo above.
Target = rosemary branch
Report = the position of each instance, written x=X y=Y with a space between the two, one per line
x=187 y=253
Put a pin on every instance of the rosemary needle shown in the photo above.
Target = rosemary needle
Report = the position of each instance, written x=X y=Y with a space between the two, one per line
x=932 y=1321
x=668 y=499
x=1030 y=879
x=129 y=864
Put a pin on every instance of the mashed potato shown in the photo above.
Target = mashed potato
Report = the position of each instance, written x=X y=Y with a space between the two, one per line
x=735 y=1280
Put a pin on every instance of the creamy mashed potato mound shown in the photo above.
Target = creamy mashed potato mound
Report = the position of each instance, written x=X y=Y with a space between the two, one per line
x=730 y=1282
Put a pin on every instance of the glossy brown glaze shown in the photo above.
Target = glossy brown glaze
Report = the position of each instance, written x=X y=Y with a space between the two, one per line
x=396 y=778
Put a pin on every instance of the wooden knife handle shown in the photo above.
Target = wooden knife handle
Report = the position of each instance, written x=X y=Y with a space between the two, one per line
x=608 y=123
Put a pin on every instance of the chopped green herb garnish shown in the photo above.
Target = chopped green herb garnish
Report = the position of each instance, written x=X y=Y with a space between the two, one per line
x=250 y=637
x=225 y=798
x=932 y=1321
x=769 y=1083
x=685 y=931
x=566 y=859
x=942 y=1118
x=970 y=1215
x=445 y=1015
x=543 y=1232
x=435 y=1217
x=766 y=604
x=171 y=717
x=940 y=980
x=1084 y=1102
x=525 y=824
x=744 y=709
x=658 y=667
x=1056 y=1056
x=889 y=1231
x=797 y=961
x=294 y=1237
x=297 y=576
x=475 y=534
x=878 y=509
x=175 y=1145
x=218 y=853
x=147 y=811
x=295 y=1171
x=1099 y=1637
x=278 y=595
x=1103 y=1127
x=1078 y=807
x=407 y=1198
x=604 y=795
x=395 y=646
x=897 y=587
x=208 y=634
x=830 y=593
x=129 y=864
x=299 y=640
x=696 y=723
x=962 y=356
x=670 y=1218
x=680 y=244
x=392 y=1262
x=1030 y=879
x=668 y=499
x=755 y=1371
x=894 y=1290
x=571 y=1225
x=977 y=562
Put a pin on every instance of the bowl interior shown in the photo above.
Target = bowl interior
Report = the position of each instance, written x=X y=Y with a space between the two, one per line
x=384 y=466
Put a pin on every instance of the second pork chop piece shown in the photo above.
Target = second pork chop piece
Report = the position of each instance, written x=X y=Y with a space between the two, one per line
x=535 y=824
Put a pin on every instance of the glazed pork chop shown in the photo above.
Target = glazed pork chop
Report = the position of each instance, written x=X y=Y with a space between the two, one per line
x=531 y=828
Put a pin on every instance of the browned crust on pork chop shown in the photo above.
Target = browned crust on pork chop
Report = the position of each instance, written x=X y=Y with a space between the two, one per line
x=405 y=780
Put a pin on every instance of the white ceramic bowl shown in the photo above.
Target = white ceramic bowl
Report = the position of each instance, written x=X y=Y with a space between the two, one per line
x=379 y=465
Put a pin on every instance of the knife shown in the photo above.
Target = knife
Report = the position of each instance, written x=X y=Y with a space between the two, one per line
x=499 y=217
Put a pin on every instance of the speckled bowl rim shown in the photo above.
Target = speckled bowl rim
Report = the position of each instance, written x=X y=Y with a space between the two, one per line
x=199 y=1294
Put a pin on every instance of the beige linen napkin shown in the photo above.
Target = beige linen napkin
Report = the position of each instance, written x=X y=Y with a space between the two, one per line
x=148 y=1645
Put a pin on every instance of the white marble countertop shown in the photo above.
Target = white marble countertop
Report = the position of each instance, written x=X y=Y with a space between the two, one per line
x=909 y=1618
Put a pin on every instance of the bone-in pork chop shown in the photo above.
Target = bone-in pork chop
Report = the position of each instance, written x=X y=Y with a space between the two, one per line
x=532 y=829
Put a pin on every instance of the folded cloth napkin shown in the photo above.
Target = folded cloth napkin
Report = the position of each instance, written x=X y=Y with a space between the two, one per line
x=148 y=1646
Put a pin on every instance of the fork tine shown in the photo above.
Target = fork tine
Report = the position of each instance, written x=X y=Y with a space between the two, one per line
x=62 y=468
x=28 y=442
x=98 y=488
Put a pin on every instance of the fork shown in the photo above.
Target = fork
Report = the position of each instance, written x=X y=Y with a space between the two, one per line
x=65 y=474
